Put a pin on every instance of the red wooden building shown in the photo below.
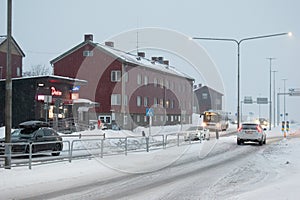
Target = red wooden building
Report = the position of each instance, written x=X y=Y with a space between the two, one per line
x=125 y=85
x=16 y=59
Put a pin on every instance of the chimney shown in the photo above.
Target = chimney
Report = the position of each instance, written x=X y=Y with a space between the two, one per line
x=166 y=62
x=200 y=85
x=88 y=37
x=109 y=44
x=154 y=58
x=141 y=54
x=161 y=60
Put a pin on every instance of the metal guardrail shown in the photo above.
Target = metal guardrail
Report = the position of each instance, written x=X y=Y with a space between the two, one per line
x=97 y=146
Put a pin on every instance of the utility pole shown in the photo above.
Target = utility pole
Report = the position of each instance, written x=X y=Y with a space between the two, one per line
x=270 y=95
x=274 y=101
x=8 y=90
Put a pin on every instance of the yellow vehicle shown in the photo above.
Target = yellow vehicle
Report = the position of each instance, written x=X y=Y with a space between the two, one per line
x=215 y=120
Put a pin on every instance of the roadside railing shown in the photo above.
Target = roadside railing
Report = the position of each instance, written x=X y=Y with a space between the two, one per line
x=78 y=146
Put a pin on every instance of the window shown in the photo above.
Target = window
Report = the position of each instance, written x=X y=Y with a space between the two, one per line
x=138 y=118
x=115 y=99
x=116 y=76
x=167 y=103
x=146 y=80
x=155 y=82
x=146 y=101
x=138 y=101
x=87 y=53
x=161 y=102
x=167 y=84
x=204 y=95
x=172 y=104
x=161 y=83
x=139 y=79
x=155 y=102
x=145 y=118
x=18 y=71
x=105 y=119
x=125 y=119
x=125 y=100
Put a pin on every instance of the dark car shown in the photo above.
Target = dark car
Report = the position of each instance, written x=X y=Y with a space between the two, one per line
x=38 y=134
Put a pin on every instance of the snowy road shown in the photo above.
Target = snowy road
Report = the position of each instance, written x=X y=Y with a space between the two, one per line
x=186 y=176
x=215 y=169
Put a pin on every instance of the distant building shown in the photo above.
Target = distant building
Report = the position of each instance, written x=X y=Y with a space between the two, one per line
x=125 y=85
x=31 y=95
x=207 y=99
x=16 y=58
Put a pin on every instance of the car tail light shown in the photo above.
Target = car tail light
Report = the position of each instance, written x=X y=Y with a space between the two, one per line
x=240 y=128
x=258 y=129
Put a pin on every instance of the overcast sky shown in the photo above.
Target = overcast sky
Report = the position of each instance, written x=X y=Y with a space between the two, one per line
x=46 y=28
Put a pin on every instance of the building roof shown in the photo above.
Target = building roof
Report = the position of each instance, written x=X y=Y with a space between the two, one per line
x=126 y=57
x=207 y=88
x=3 y=38
x=78 y=81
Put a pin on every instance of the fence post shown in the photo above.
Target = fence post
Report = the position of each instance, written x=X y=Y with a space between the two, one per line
x=102 y=147
x=126 y=146
x=178 y=139
x=30 y=155
x=147 y=144
x=71 y=151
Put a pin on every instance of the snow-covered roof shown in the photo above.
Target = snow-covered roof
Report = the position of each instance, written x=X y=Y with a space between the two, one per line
x=142 y=61
x=51 y=76
x=128 y=58
x=3 y=39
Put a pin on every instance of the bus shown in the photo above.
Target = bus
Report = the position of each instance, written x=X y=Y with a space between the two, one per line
x=215 y=120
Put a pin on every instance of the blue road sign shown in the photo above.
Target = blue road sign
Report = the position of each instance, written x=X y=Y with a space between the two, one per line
x=149 y=112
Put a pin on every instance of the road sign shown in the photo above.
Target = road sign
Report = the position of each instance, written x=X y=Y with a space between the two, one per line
x=149 y=112
x=262 y=100
x=248 y=100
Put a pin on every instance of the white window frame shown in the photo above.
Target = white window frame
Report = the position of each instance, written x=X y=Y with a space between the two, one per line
x=87 y=53
x=146 y=101
x=115 y=76
x=115 y=99
x=138 y=101
x=145 y=80
x=139 y=79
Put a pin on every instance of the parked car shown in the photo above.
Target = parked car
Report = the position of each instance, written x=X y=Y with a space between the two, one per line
x=33 y=132
x=197 y=133
x=251 y=132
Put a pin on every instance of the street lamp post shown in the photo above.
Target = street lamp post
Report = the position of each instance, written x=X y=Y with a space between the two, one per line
x=274 y=101
x=270 y=96
x=238 y=42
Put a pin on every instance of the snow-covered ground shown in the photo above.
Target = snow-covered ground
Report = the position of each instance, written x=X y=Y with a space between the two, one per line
x=271 y=173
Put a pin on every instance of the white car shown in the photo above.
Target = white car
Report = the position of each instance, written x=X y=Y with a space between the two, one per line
x=197 y=133
x=251 y=132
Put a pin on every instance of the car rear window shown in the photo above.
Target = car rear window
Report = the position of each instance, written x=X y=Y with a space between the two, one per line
x=249 y=126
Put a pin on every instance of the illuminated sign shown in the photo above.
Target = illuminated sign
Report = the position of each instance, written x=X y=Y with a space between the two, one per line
x=76 y=88
x=55 y=92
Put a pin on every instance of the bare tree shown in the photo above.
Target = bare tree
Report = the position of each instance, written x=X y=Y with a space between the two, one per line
x=38 y=70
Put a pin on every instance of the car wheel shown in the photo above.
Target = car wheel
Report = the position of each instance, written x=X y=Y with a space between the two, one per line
x=261 y=142
x=238 y=142
x=57 y=149
x=265 y=141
